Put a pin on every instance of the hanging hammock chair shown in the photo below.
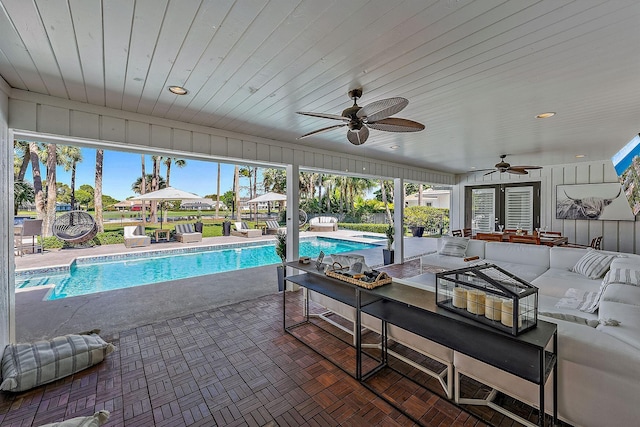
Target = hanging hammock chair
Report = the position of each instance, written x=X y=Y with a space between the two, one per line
x=75 y=227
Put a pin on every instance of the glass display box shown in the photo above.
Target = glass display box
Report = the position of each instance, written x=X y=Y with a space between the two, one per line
x=490 y=295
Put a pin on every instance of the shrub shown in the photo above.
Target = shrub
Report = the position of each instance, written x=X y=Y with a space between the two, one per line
x=426 y=216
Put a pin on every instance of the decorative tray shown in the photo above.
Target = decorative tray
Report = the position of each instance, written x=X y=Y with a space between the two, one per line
x=368 y=280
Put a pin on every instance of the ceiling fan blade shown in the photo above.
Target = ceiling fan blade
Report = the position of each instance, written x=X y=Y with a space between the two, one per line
x=382 y=109
x=321 y=130
x=324 y=116
x=394 y=124
x=517 y=171
x=526 y=167
x=358 y=137
x=489 y=173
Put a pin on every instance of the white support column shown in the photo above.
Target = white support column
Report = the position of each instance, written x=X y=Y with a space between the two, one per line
x=7 y=281
x=293 y=210
x=398 y=216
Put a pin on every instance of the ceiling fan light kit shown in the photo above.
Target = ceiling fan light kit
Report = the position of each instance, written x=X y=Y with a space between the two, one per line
x=375 y=115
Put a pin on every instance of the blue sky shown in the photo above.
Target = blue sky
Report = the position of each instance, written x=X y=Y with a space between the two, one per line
x=120 y=170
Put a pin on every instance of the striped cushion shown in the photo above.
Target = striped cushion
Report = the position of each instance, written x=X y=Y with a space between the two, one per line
x=271 y=224
x=593 y=264
x=95 y=420
x=454 y=246
x=591 y=301
x=25 y=366
x=184 y=228
x=625 y=276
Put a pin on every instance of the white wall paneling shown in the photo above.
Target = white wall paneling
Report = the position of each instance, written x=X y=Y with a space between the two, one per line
x=31 y=112
x=621 y=236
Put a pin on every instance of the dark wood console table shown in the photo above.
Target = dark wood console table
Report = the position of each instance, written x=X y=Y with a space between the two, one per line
x=415 y=310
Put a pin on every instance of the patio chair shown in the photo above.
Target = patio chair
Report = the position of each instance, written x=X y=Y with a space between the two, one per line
x=243 y=230
x=30 y=228
x=186 y=233
x=273 y=227
x=134 y=236
x=466 y=232
x=456 y=233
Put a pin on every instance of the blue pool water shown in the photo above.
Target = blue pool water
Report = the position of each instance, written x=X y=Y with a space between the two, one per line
x=105 y=276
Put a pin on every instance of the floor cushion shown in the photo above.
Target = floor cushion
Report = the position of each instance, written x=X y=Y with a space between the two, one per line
x=95 y=420
x=29 y=365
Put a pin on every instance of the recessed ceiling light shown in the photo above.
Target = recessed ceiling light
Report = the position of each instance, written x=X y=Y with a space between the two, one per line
x=178 y=90
x=579 y=156
x=473 y=167
x=394 y=147
x=545 y=115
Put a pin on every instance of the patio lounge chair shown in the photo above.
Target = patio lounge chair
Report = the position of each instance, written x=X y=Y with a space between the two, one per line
x=134 y=236
x=186 y=233
x=323 y=223
x=273 y=227
x=243 y=230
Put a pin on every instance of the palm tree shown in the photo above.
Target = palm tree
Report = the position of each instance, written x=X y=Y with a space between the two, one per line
x=178 y=162
x=37 y=179
x=52 y=193
x=218 y=192
x=274 y=180
x=22 y=192
x=138 y=186
x=155 y=185
x=97 y=198
x=143 y=190
x=21 y=161
x=383 y=192
x=236 y=190
x=70 y=157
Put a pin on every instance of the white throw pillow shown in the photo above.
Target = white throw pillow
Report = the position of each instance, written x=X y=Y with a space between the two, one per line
x=625 y=276
x=95 y=420
x=593 y=264
x=454 y=246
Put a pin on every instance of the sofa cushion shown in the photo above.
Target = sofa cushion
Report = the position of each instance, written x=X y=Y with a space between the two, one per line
x=625 y=276
x=565 y=258
x=25 y=366
x=556 y=281
x=626 y=261
x=519 y=253
x=474 y=247
x=593 y=264
x=628 y=331
x=454 y=246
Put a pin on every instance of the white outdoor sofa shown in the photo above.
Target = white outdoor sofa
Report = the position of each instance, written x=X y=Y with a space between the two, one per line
x=323 y=223
x=598 y=366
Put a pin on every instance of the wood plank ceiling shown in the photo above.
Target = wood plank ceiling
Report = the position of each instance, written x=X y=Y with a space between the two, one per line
x=475 y=72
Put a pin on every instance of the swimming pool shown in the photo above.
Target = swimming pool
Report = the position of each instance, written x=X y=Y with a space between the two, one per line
x=139 y=269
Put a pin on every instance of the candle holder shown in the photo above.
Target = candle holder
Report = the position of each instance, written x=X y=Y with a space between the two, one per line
x=490 y=295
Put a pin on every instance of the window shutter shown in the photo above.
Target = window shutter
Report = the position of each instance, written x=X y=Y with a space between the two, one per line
x=483 y=209
x=519 y=208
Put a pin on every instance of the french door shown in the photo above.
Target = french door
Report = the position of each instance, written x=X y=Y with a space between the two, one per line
x=512 y=205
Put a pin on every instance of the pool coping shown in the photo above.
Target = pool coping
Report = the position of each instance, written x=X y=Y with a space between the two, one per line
x=90 y=259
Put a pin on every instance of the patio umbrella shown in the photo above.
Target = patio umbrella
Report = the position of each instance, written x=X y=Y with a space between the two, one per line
x=164 y=194
x=268 y=197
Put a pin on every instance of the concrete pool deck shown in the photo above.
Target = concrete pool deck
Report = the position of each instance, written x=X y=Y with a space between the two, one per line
x=123 y=309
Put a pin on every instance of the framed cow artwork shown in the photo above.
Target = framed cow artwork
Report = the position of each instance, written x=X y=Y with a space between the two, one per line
x=592 y=202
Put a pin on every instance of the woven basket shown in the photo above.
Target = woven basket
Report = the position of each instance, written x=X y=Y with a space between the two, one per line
x=382 y=279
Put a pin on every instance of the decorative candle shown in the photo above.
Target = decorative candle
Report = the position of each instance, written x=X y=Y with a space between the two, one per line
x=507 y=313
x=459 y=298
x=493 y=308
x=475 y=301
